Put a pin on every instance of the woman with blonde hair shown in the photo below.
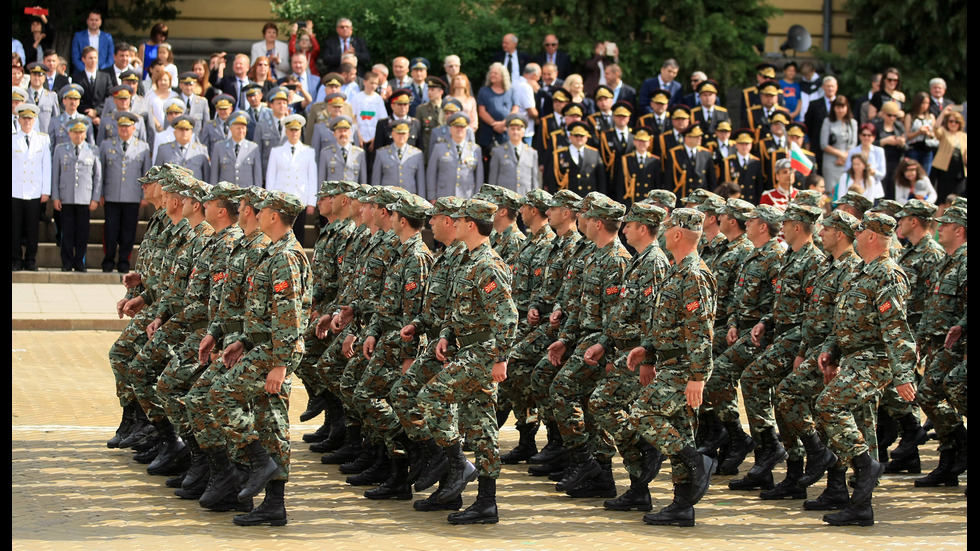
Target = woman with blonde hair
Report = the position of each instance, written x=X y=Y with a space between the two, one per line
x=261 y=73
x=575 y=86
x=949 y=164
x=494 y=102
x=460 y=89
x=160 y=91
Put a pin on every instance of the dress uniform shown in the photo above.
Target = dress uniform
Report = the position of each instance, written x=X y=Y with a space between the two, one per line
x=514 y=167
x=31 y=182
x=195 y=107
x=680 y=120
x=455 y=168
x=617 y=141
x=579 y=170
x=709 y=117
x=721 y=147
x=638 y=173
x=775 y=149
x=58 y=127
x=549 y=124
x=292 y=169
x=123 y=163
x=44 y=99
x=323 y=134
x=193 y=156
x=256 y=113
x=76 y=186
x=172 y=106
x=270 y=132
x=342 y=162
x=744 y=168
x=440 y=134
x=400 y=166
x=599 y=121
x=399 y=102
x=659 y=120
x=750 y=96
x=759 y=116
x=107 y=127
x=431 y=115
x=216 y=129
x=237 y=162
x=690 y=167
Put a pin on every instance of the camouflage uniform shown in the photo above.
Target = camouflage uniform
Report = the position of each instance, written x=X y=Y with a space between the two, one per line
x=507 y=244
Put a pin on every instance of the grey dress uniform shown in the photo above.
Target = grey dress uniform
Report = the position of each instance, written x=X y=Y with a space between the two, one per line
x=47 y=102
x=269 y=134
x=58 y=129
x=243 y=169
x=408 y=173
x=194 y=157
x=331 y=165
x=76 y=181
x=323 y=137
x=198 y=109
x=452 y=173
x=109 y=129
x=215 y=131
x=514 y=168
x=121 y=168
x=440 y=134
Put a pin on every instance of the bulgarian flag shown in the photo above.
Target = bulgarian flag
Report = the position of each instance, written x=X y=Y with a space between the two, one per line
x=799 y=161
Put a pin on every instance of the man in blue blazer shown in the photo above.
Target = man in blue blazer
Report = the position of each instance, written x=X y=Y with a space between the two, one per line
x=664 y=81
x=86 y=37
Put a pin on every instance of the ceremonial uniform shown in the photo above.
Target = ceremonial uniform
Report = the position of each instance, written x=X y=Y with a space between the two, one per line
x=193 y=156
x=454 y=169
x=31 y=178
x=406 y=170
x=122 y=166
x=238 y=163
x=514 y=167
x=76 y=183
x=336 y=164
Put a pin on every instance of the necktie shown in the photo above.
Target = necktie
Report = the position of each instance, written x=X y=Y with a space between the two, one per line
x=125 y=147
x=517 y=153
x=346 y=45
x=575 y=156
x=510 y=65
x=188 y=105
x=183 y=150
x=459 y=152
x=28 y=140
x=237 y=149
x=76 y=151
x=622 y=138
x=744 y=162
x=641 y=159
x=280 y=129
x=293 y=149
x=91 y=81
x=707 y=119
x=344 y=151
x=399 y=153
x=35 y=97
x=608 y=119
x=241 y=96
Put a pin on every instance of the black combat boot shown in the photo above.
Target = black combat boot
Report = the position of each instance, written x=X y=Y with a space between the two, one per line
x=582 y=468
x=652 y=461
x=819 y=458
x=397 y=486
x=350 y=451
x=461 y=472
x=960 y=445
x=740 y=445
x=772 y=451
x=376 y=473
x=174 y=457
x=526 y=447
x=867 y=471
x=552 y=468
x=601 y=485
x=552 y=450
x=432 y=503
x=855 y=514
x=435 y=468
x=637 y=498
x=715 y=435
x=141 y=428
x=502 y=415
x=906 y=455
x=699 y=467
x=196 y=479
x=363 y=461
x=942 y=475
x=755 y=479
x=126 y=424
x=680 y=511
x=263 y=469
x=175 y=481
x=338 y=421
x=484 y=509
x=271 y=511
x=224 y=483
x=886 y=431
x=317 y=437
x=314 y=406
x=790 y=487
x=835 y=496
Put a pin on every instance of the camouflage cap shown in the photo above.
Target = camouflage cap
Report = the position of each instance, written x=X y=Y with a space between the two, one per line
x=155 y=174
x=959 y=202
x=411 y=206
x=343 y=187
x=175 y=182
x=888 y=206
x=809 y=197
x=587 y=201
x=604 y=208
x=842 y=221
x=916 y=207
x=255 y=195
x=225 y=190
x=360 y=193
x=879 y=223
x=388 y=195
x=487 y=192
x=697 y=197
x=768 y=214
x=712 y=205
x=445 y=206
x=326 y=188
x=508 y=199
x=686 y=219
x=477 y=209
x=173 y=168
x=371 y=196
x=539 y=199
x=953 y=215
x=856 y=200
x=198 y=191
x=281 y=201
x=739 y=209
x=796 y=212
x=565 y=198
x=662 y=198
x=645 y=213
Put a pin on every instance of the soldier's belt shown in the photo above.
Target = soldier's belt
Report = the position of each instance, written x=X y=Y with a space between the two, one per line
x=747 y=324
x=232 y=327
x=878 y=349
x=386 y=327
x=626 y=344
x=784 y=327
x=198 y=325
x=473 y=338
x=259 y=338
x=669 y=354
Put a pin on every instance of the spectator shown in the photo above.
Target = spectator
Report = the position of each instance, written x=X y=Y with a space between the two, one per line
x=299 y=98
x=121 y=62
x=912 y=181
x=664 y=81
x=510 y=58
x=95 y=83
x=549 y=78
x=937 y=96
x=346 y=43
x=452 y=64
x=149 y=50
x=352 y=83
x=166 y=54
x=815 y=111
x=399 y=74
x=54 y=80
x=949 y=164
x=18 y=49
x=18 y=78
x=595 y=68
x=276 y=51
x=860 y=178
x=203 y=85
x=494 y=102
x=92 y=37
x=891 y=137
x=810 y=84
x=621 y=91
x=160 y=91
x=38 y=40
x=891 y=80
x=461 y=89
x=920 y=138
x=838 y=135
x=861 y=105
x=791 y=91
x=381 y=70
x=418 y=87
x=524 y=99
x=368 y=107
x=261 y=73
x=31 y=186
x=235 y=83
x=692 y=100
x=867 y=133
x=303 y=40
x=575 y=87
x=561 y=61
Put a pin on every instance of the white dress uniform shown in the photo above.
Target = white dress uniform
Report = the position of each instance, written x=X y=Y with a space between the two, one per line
x=30 y=160
x=292 y=168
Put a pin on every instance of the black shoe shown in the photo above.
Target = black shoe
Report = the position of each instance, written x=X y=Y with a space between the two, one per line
x=790 y=487
x=859 y=514
x=679 y=513
x=582 y=468
x=319 y=435
x=262 y=470
x=175 y=481
x=911 y=464
x=230 y=503
x=141 y=428
x=377 y=473
x=740 y=445
x=867 y=471
x=558 y=476
x=397 y=486
x=819 y=458
x=367 y=457
x=484 y=509
x=271 y=511
x=546 y=469
x=314 y=407
x=430 y=504
x=174 y=458
x=349 y=451
x=552 y=450
x=835 y=496
x=714 y=434
x=147 y=456
x=960 y=442
x=81 y=269
x=435 y=469
x=225 y=482
x=637 y=498
x=461 y=472
x=601 y=485
x=942 y=475
x=526 y=447
x=126 y=425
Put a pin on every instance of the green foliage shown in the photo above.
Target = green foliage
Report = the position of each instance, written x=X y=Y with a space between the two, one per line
x=143 y=14
x=921 y=38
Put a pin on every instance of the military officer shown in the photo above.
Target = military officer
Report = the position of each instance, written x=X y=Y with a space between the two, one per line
x=759 y=116
x=186 y=151
x=292 y=169
x=195 y=106
x=122 y=96
x=71 y=96
x=217 y=129
x=673 y=136
x=709 y=115
x=124 y=160
x=617 y=141
x=342 y=160
x=514 y=164
x=456 y=167
x=270 y=131
x=602 y=119
x=172 y=109
x=39 y=95
x=323 y=134
x=399 y=102
x=235 y=159
x=744 y=168
x=658 y=121
x=430 y=114
x=399 y=163
x=76 y=187
x=640 y=171
x=578 y=166
x=440 y=134
x=690 y=165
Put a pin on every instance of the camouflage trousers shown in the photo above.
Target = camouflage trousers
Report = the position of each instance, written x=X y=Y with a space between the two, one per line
x=373 y=390
x=932 y=397
x=206 y=430
x=955 y=384
x=332 y=366
x=530 y=345
x=178 y=378
x=541 y=378
x=610 y=404
x=122 y=352
x=466 y=381
x=660 y=415
x=150 y=362
x=245 y=412
x=759 y=381
x=404 y=393
x=570 y=392
x=307 y=369
x=847 y=407
x=721 y=390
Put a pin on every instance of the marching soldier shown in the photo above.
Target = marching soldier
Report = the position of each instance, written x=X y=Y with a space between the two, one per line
x=292 y=169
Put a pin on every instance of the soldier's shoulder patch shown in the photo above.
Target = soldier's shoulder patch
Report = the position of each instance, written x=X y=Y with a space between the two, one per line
x=281 y=286
x=489 y=287
x=612 y=290
x=537 y=271
x=411 y=286
x=648 y=291
x=692 y=306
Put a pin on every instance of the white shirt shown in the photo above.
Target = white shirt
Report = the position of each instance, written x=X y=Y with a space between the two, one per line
x=93 y=39
x=523 y=96
x=368 y=110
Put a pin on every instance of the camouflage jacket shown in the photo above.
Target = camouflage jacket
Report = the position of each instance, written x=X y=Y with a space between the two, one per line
x=151 y=242
x=599 y=292
x=725 y=266
x=818 y=319
x=507 y=243
x=870 y=315
x=753 y=292
x=643 y=275
x=174 y=283
x=918 y=263
x=325 y=265
x=571 y=287
x=172 y=237
x=549 y=275
x=710 y=250
x=229 y=312
x=373 y=265
x=405 y=286
x=794 y=285
x=208 y=273
x=528 y=265
x=946 y=306
x=351 y=252
x=683 y=318
x=445 y=268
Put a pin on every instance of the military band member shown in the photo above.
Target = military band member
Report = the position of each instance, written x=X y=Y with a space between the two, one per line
x=690 y=165
x=399 y=163
x=125 y=159
x=602 y=119
x=744 y=168
x=235 y=159
x=514 y=164
x=708 y=114
x=342 y=160
x=76 y=187
x=456 y=167
x=640 y=171
x=617 y=141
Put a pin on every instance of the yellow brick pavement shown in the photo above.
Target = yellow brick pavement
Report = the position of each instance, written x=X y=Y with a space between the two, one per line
x=70 y=492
